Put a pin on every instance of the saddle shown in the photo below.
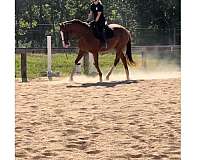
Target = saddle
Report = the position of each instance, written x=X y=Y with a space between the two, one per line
x=107 y=30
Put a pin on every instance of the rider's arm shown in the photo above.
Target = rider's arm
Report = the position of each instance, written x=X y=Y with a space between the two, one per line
x=90 y=15
x=98 y=15
x=100 y=10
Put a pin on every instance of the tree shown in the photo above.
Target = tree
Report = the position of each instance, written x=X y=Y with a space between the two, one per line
x=34 y=19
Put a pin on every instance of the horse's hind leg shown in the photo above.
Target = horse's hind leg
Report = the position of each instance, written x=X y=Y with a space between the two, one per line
x=124 y=61
x=80 y=55
x=96 y=63
x=115 y=64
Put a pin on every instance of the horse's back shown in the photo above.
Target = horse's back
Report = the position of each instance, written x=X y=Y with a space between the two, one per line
x=119 y=30
x=116 y=26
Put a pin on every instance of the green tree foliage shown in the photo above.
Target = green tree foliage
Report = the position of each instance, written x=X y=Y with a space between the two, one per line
x=34 y=19
x=157 y=13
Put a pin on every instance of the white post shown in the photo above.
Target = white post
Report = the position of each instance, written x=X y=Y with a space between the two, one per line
x=92 y=68
x=49 y=72
x=78 y=67
x=90 y=63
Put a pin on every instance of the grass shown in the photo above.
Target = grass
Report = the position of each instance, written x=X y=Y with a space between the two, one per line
x=37 y=63
x=63 y=63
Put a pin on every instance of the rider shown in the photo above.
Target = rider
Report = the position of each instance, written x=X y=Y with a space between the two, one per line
x=96 y=9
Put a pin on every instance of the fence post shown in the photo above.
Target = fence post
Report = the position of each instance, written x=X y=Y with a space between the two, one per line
x=144 y=63
x=49 y=72
x=174 y=36
x=23 y=67
x=86 y=63
x=92 y=68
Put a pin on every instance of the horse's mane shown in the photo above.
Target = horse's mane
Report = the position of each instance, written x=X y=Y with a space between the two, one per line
x=77 y=21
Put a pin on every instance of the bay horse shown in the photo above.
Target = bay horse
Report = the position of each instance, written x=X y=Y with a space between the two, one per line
x=89 y=43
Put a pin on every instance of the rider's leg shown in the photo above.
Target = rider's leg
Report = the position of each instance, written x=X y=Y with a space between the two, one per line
x=101 y=33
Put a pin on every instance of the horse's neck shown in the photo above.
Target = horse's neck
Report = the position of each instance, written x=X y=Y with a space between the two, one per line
x=81 y=31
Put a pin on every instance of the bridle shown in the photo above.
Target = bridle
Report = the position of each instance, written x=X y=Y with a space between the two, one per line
x=64 y=34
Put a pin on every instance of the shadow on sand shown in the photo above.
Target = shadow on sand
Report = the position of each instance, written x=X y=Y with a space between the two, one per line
x=102 y=84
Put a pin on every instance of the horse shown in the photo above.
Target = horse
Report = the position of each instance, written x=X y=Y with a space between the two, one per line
x=89 y=43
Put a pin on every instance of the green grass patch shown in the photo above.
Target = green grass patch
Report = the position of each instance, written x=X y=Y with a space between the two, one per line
x=37 y=63
x=63 y=63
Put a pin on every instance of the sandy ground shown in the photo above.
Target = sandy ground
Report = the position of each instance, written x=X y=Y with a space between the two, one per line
x=84 y=120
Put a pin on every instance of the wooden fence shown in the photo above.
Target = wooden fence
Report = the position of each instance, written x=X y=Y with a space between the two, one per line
x=143 y=50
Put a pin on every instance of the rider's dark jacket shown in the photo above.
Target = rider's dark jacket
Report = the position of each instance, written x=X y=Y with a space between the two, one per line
x=98 y=8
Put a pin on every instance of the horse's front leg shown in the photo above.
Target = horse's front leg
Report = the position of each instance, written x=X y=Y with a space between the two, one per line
x=96 y=63
x=80 y=55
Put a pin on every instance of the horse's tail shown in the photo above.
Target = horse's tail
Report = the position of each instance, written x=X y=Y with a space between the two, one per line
x=128 y=53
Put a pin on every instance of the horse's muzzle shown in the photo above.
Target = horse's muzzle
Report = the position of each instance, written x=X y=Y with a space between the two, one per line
x=66 y=45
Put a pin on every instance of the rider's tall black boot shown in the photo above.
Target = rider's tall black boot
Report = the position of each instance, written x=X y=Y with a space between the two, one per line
x=103 y=40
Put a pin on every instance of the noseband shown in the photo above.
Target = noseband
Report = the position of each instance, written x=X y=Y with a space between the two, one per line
x=65 y=34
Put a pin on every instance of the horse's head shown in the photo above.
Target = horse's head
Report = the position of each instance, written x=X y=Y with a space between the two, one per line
x=74 y=28
x=64 y=32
